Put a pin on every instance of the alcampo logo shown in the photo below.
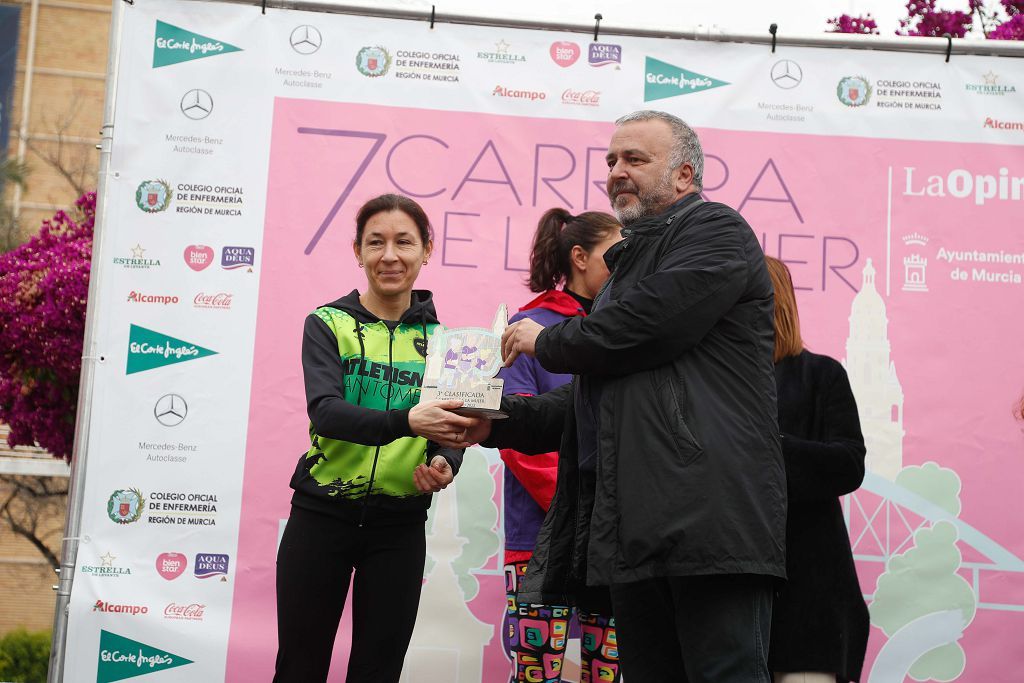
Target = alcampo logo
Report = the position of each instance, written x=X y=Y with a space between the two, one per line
x=121 y=658
x=174 y=45
x=663 y=80
x=148 y=349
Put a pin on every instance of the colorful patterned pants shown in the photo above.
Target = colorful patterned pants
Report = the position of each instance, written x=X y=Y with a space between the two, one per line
x=536 y=635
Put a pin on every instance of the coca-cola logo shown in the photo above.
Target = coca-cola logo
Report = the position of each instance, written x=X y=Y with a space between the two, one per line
x=190 y=612
x=586 y=98
x=221 y=300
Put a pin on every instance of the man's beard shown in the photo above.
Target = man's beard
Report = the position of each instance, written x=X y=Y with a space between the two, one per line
x=649 y=202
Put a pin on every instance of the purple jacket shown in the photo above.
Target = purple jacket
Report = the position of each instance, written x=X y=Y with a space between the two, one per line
x=532 y=478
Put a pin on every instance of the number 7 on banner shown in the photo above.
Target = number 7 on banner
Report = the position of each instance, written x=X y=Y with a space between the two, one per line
x=378 y=139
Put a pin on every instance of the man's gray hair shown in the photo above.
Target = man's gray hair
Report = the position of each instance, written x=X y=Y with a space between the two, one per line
x=686 y=150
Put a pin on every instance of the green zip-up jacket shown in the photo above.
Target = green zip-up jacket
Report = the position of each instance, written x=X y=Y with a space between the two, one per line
x=362 y=376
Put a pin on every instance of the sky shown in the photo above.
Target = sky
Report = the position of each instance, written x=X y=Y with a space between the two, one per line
x=739 y=16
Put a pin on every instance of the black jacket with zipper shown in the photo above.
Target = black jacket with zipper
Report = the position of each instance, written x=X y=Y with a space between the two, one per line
x=819 y=620
x=689 y=477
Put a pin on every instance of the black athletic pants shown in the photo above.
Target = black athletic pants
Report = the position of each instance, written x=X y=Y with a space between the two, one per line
x=315 y=562
x=699 y=629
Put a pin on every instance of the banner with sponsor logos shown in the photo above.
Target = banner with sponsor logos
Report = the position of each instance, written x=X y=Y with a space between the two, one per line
x=891 y=183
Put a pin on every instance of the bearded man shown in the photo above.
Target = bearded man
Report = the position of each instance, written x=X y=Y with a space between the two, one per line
x=671 y=487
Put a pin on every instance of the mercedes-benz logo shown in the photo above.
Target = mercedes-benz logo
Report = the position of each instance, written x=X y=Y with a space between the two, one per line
x=787 y=74
x=170 y=410
x=196 y=104
x=305 y=39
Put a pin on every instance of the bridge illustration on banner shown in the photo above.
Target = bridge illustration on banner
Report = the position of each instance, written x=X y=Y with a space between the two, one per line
x=910 y=515
x=882 y=507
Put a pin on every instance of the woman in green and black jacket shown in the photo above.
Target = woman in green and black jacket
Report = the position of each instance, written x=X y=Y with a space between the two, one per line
x=363 y=488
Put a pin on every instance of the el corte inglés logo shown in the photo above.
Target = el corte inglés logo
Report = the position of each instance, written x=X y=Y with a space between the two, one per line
x=173 y=45
x=662 y=80
x=120 y=658
x=148 y=349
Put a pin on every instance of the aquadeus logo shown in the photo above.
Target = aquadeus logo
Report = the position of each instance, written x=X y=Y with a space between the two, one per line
x=662 y=80
x=120 y=658
x=148 y=349
x=173 y=45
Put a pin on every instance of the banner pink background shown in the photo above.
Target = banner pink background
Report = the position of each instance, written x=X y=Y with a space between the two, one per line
x=820 y=203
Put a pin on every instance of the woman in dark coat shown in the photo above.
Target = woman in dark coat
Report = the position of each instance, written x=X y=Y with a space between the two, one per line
x=819 y=620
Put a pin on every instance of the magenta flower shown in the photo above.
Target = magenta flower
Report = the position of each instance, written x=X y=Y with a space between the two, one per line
x=847 y=24
x=44 y=285
x=1012 y=29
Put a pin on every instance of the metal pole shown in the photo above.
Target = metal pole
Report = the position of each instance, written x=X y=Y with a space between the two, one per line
x=992 y=48
x=90 y=357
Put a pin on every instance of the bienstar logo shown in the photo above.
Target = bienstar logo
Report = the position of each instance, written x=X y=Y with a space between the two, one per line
x=174 y=45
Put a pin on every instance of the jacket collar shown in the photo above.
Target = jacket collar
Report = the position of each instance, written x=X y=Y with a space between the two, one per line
x=650 y=226
x=558 y=301
x=662 y=220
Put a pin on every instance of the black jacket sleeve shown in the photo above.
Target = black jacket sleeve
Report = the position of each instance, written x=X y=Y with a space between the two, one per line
x=332 y=416
x=833 y=466
x=534 y=423
x=700 y=277
x=452 y=455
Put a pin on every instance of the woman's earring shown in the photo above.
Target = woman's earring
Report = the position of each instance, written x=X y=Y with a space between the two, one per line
x=360 y=264
x=424 y=263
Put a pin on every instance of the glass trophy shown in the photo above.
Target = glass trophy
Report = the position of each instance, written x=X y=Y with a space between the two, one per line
x=461 y=365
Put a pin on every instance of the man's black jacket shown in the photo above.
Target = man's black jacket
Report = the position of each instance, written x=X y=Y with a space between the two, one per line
x=689 y=477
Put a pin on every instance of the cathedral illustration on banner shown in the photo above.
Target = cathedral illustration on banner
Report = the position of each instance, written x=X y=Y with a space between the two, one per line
x=453 y=653
x=873 y=379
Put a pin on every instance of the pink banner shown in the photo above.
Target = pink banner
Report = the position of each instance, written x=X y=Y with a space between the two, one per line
x=929 y=331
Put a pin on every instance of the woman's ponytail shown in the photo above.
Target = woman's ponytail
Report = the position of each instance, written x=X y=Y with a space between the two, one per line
x=549 y=256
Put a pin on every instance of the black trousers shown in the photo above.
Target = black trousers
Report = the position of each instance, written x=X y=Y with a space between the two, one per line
x=315 y=562
x=700 y=629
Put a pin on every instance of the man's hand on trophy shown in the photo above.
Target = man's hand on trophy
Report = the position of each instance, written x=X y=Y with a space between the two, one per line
x=433 y=478
x=519 y=337
x=478 y=430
